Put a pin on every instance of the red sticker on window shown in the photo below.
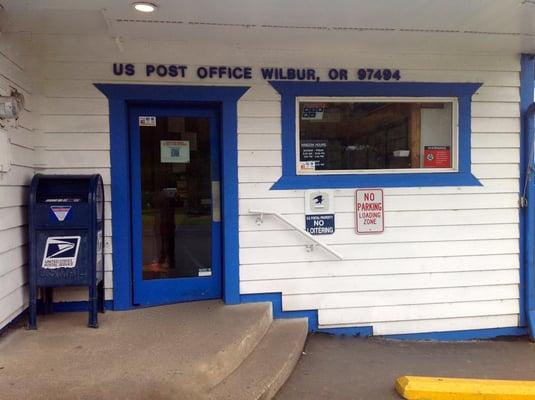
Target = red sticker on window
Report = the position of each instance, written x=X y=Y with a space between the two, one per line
x=437 y=157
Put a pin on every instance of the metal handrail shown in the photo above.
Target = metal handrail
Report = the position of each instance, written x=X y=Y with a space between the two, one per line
x=260 y=219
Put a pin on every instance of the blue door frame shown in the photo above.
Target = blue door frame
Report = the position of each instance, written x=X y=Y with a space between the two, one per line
x=165 y=291
x=120 y=98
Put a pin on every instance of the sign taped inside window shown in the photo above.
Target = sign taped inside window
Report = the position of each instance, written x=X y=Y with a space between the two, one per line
x=313 y=111
x=437 y=157
x=174 y=151
x=314 y=152
x=147 y=120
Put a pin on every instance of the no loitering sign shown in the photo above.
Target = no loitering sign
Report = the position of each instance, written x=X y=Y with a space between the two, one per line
x=370 y=211
x=319 y=212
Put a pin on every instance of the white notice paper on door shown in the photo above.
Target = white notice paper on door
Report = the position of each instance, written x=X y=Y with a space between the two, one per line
x=174 y=151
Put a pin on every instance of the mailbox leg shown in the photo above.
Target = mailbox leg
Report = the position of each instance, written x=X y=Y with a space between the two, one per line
x=32 y=323
x=93 y=306
x=44 y=300
x=48 y=299
x=101 y=298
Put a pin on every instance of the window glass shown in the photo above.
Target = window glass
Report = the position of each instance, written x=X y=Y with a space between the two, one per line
x=374 y=135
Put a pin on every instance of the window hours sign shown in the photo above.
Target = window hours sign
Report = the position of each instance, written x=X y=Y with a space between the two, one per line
x=370 y=211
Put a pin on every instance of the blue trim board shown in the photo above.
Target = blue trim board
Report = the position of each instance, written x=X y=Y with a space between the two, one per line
x=120 y=97
x=475 y=334
x=312 y=315
x=527 y=214
x=290 y=90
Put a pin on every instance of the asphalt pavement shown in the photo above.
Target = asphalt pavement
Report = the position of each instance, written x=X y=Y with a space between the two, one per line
x=334 y=367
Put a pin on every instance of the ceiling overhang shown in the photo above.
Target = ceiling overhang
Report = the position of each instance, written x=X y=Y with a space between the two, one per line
x=485 y=26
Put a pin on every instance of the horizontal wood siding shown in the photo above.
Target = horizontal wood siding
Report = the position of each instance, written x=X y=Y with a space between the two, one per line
x=448 y=259
x=14 y=184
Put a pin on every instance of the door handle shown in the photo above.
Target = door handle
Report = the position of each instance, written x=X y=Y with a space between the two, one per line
x=216 y=201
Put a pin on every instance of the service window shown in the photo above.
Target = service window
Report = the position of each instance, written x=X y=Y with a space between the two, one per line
x=376 y=135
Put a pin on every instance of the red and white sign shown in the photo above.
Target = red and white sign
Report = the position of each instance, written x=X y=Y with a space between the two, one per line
x=437 y=157
x=370 y=211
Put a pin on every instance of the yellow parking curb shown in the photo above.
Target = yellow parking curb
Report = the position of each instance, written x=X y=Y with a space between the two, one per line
x=433 y=388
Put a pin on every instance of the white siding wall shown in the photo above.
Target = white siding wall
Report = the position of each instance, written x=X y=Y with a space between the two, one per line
x=14 y=184
x=448 y=258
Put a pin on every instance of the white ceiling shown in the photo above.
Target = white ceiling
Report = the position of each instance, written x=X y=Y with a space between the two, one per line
x=438 y=25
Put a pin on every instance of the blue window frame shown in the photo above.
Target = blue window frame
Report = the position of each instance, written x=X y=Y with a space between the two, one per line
x=290 y=91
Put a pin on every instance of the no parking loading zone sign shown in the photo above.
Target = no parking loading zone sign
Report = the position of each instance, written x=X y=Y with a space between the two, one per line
x=369 y=208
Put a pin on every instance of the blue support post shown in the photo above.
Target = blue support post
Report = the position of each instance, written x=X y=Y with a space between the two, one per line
x=527 y=109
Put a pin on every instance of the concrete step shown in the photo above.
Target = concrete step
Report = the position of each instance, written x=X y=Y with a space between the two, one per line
x=266 y=369
x=243 y=328
x=168 y=352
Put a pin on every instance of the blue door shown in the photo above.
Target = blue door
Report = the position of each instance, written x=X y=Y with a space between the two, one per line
x=175 y=181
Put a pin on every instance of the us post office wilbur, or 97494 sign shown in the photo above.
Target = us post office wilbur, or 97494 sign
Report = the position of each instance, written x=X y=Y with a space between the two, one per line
x=369 y=211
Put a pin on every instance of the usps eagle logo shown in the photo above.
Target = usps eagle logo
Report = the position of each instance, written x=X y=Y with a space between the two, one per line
x=61 y=252
x=318 y=200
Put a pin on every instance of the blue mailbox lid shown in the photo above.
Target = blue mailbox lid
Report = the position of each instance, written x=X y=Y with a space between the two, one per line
x=64 y=188
x=65 y=199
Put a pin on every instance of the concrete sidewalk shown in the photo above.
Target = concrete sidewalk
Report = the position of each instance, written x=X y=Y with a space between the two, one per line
x=191 y=351
x=356 y=368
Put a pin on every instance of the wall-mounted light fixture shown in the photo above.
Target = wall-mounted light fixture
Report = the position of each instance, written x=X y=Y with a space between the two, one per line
x=2 y=17
x=12 y=105
x=144 y=6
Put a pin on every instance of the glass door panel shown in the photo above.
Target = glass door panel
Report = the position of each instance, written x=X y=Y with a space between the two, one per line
x=175 y=170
